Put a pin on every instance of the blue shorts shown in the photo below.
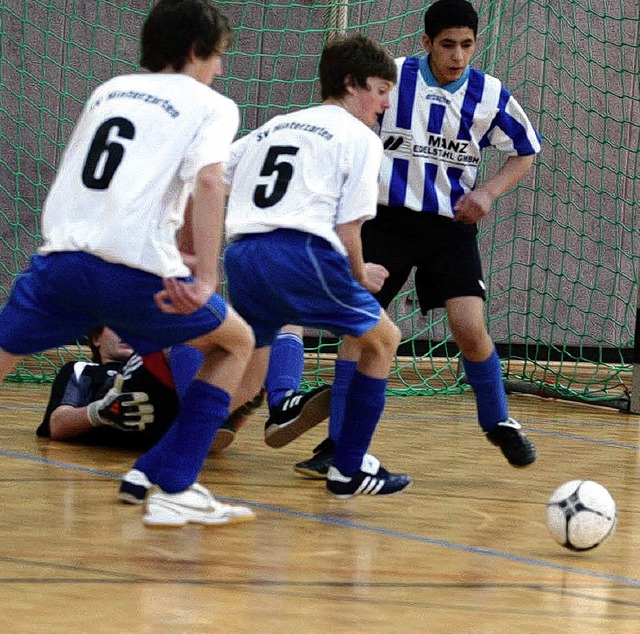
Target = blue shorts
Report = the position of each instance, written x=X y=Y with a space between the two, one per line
x=291 y=277
x=62 y=296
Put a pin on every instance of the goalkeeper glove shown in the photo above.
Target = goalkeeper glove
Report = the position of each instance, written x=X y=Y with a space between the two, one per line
x=127 y=411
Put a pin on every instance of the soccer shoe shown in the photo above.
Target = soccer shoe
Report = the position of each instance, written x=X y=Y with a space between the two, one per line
x=225 y=435
x=371 y=479
x=513 y=443
x=194 y=505
x=296 y=414
x=318 y=465
x=133 y=487
x=237 y=419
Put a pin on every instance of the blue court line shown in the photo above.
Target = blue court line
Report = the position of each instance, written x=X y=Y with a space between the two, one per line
x=539 y=563
x=596 y=441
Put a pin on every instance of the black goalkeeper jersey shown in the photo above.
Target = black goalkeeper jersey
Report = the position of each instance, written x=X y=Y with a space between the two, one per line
x=79 y=383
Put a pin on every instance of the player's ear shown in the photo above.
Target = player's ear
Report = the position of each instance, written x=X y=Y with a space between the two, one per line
x=349 y=84
x=427 y=43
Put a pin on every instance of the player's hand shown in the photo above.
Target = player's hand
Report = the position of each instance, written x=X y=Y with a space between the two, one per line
x=374 y=276
x=183 y=298
x=472 y=207
x=127 y=411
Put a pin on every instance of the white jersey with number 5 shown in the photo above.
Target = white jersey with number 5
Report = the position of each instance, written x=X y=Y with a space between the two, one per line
x=121 y=187
x=309 y=170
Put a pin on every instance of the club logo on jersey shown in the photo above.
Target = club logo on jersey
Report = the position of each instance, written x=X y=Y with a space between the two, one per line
x=393 y=143
x=438 y=99
x=397 y=142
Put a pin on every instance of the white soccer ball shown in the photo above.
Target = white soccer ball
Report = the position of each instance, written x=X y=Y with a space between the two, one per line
x=581 y=514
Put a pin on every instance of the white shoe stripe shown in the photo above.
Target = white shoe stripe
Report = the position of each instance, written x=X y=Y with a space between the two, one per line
x=370 y=486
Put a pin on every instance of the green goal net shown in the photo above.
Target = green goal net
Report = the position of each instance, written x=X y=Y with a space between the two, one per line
x=560 y=252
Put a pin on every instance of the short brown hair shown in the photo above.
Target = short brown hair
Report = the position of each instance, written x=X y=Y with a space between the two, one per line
x=356 y=57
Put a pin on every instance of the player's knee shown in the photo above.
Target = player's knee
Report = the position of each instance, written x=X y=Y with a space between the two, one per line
x=244 y=341
x=383 y=340
x=389 y=334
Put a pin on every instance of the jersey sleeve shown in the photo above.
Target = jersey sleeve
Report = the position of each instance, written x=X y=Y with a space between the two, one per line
x=360 y=187
x=512 y=132
x=212 y=142
x=67 y=389
x=237 y=150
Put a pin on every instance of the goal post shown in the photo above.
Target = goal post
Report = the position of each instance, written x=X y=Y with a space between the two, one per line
x=560 y=252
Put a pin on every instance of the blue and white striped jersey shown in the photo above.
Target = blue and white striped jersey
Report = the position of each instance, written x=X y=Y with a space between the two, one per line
x=433 y=135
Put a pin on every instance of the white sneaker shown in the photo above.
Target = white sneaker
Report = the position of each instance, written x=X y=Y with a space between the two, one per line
x=194 y=505
x=133 y=487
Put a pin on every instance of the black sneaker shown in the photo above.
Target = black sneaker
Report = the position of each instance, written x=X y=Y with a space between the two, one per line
x=371 y=479
x=133 y=487
x=296 y=414
x=318 y=465
x=226 y=434
x=515 y=446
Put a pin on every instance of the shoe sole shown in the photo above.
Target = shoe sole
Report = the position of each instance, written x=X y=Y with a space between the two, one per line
x=149 y=521
x=348 y=496
x=224 y=437
x=315 y=410
x=310 y=473
x=130 y=498
x=345 y=496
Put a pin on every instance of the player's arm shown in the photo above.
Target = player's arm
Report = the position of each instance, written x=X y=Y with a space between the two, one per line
x=476 y=204
x=370 y=275
x=207 y=219
x=126 y=411
x=67 y=421
x=185 y=239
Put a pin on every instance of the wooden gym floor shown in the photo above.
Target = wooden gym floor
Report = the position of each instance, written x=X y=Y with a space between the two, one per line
x=464 y=550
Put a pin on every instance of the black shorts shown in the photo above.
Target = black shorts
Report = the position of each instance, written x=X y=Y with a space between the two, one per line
x=444 y=253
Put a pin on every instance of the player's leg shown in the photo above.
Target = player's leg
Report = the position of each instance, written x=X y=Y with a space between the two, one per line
x=353 y=470
x=291 y=411
x=450 y=274
x=7 y=362
x=384 y=241
x=346 y=362
x=44 y=309
x=184 y=361
x=174 y=463
x=482 y=368
x=286 y=365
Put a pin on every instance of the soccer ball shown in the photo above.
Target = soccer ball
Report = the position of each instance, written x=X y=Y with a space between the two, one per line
x=581 y=514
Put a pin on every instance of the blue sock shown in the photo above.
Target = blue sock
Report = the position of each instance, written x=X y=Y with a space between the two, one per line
x=342 y=379
x=285 y=367
x=175 y=462
x=365 y=402
x=485 y=378
x=184 y=361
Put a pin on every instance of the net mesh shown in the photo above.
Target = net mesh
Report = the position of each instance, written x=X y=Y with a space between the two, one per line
x=560 y=252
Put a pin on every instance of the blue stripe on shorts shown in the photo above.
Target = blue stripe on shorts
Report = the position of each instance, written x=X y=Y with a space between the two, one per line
x=292 y=277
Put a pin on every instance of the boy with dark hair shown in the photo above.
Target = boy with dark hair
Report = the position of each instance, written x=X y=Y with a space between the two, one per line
x=88 y=405
x=141 y=144
x=443 y=114
x=301 y=187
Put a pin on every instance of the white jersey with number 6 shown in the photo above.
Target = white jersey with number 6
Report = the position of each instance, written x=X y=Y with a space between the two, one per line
x=121 y=187
x=309 y=170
